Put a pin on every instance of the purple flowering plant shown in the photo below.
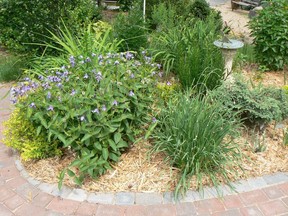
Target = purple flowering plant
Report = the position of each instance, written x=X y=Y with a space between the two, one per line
x=101 y=106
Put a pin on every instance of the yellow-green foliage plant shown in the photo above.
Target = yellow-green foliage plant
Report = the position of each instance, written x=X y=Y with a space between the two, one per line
x=168 y=89
x=20 y=134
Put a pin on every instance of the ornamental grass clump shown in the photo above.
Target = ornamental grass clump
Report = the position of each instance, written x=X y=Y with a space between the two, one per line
x=198 y=140
x=93 y=105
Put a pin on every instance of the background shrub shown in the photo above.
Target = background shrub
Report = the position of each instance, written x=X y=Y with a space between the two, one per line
x=21 y=135
x=28 y=21
x=125 y=5
x=186 y=50
x=197 y=139
x=164 y=17
x=131 y=30
x=269 y=30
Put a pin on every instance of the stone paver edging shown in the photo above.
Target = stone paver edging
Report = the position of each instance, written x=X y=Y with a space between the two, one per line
x=134 y=198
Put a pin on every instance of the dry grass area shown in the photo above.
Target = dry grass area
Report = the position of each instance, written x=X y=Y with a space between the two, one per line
x=137 y=172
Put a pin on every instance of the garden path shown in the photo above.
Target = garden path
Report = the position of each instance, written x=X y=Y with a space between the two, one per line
x=24 y=196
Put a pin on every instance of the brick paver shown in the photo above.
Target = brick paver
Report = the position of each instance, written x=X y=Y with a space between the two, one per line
x=110 y=210
x=22 y=195
x=63 y=205
x=253 y=197
x=273 y=192
x=86 y=209
x=232 y=201
x=274 y=207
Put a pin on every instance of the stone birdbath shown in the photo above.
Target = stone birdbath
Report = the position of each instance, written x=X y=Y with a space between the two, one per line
x=228 y=48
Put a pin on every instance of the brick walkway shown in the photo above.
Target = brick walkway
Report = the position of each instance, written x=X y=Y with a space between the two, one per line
x=22 y=195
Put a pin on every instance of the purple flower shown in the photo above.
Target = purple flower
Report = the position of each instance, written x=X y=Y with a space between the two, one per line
x=88 y=59
x=160 y=74
x=132 y=76
x=48 y=95
x=34 y=85
x=159 y=66
x=153 y=73
x=100 y=57
x=54 y=79
x=114 y=103
x=86 y=76
x=27 y=79
x=82 y=118
x=50 y=108
x=154 y=120
x=45 y=85
x=95 y=111
x=131 y=94
x=116 y=62
x=143 y=52
x=98 y=76
x=58 y=73
x=59 y=85
x=72 y=61
x=32 y=105
x=40 y=77
x=65 y=74
x=104 y=108
x=168 y=83
x=73 y=92
x=129 y=56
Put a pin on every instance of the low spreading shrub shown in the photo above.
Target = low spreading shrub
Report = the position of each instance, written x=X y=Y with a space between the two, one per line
x=197 y=139
x=21 y=134
x=255 y=105
x=269 y=29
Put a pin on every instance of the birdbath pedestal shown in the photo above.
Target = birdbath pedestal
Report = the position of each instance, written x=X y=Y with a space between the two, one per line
x=228 y=48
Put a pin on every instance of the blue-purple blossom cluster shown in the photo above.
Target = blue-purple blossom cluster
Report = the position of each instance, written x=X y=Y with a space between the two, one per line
x=22 y=89
x=53 y=83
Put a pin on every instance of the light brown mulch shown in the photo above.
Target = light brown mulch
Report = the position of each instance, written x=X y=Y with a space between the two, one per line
x=135 y=172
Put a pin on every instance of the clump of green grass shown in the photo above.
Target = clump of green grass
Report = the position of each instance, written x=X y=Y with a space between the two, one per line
x=10 y=68
x=198 y=140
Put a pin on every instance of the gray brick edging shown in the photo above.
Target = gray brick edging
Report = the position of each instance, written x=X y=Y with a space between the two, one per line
x=152 y=198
